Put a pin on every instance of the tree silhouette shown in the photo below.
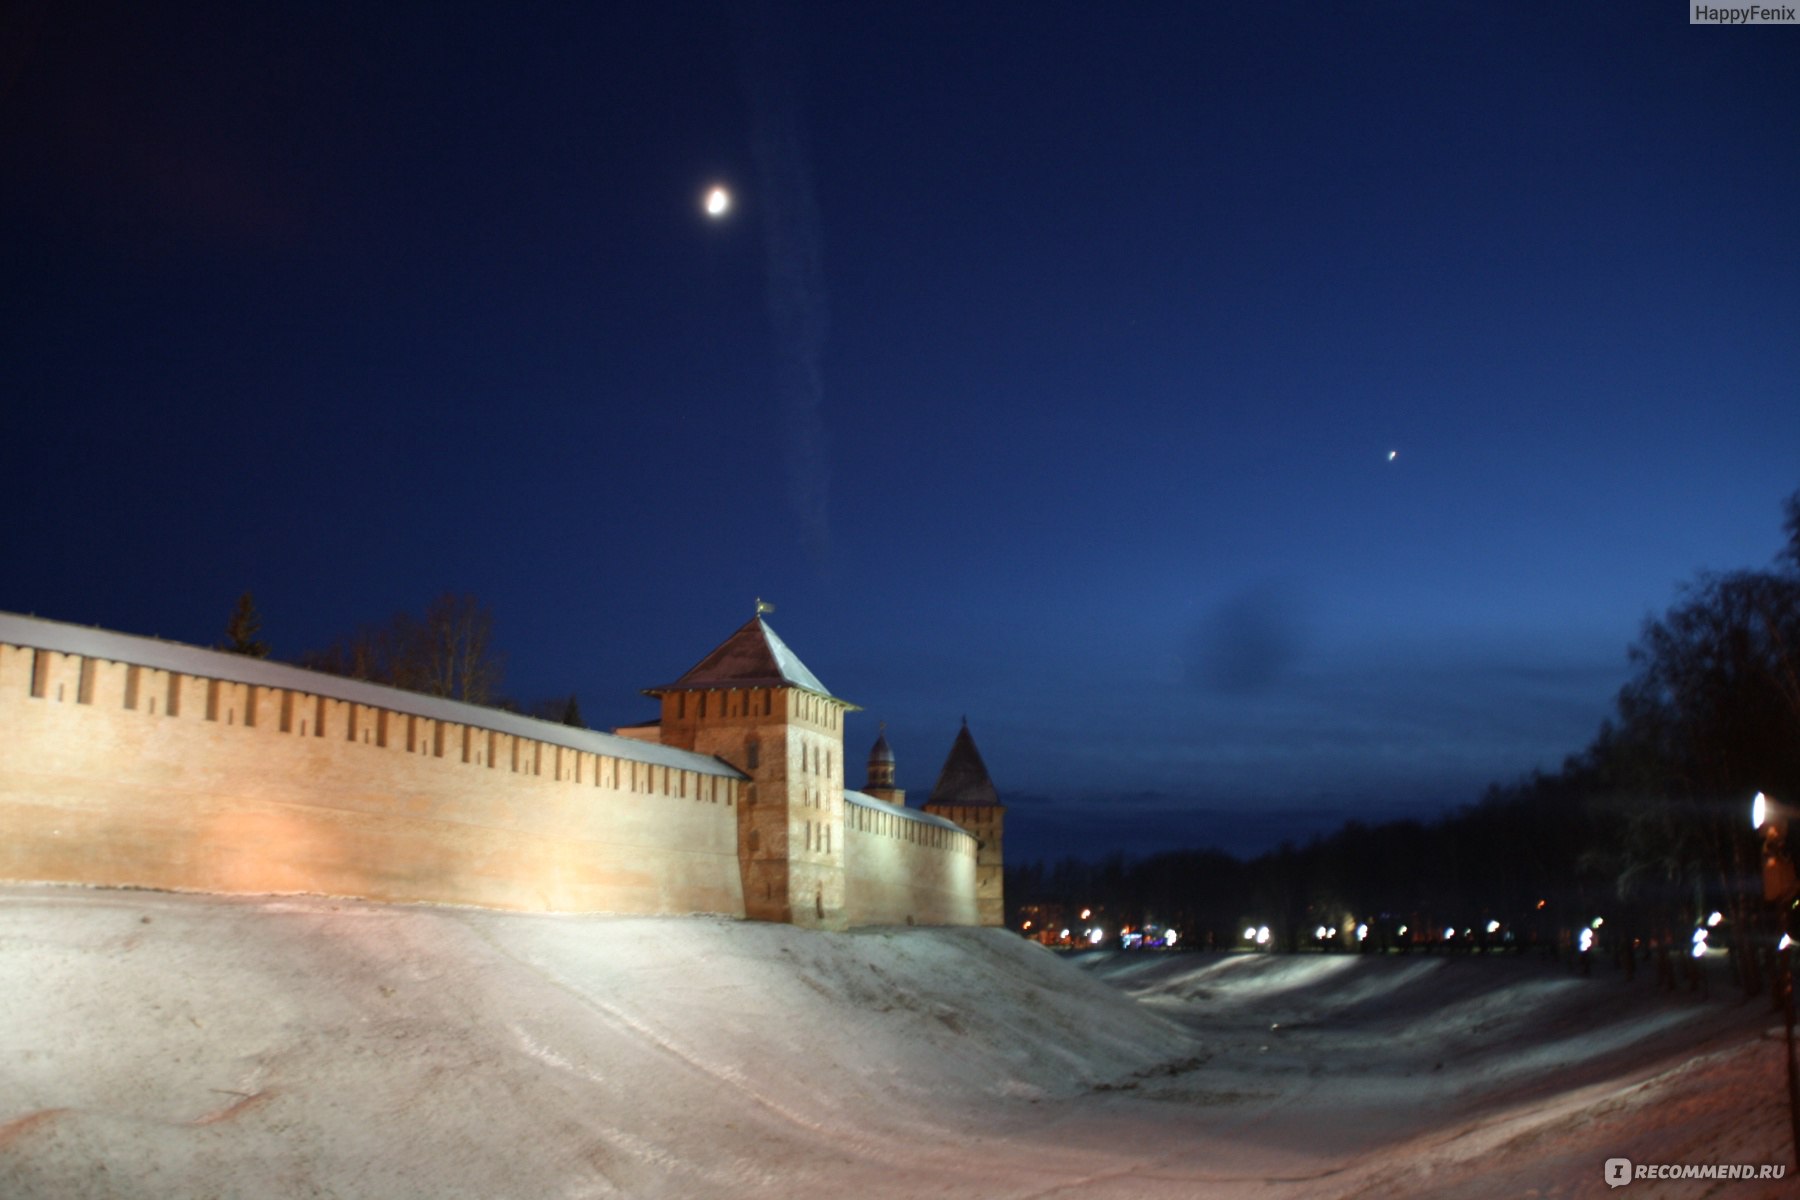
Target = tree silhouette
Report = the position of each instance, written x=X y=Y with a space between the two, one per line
x=242 y=628
x=446 y=652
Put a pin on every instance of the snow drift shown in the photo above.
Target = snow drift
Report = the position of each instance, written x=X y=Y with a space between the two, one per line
x=163 y=1045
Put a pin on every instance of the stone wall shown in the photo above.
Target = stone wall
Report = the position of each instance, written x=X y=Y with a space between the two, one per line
x=127 y=761
x=118 y=773
x=903 y=867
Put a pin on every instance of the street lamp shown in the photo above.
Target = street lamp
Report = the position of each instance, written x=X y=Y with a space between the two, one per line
x=1770 y=819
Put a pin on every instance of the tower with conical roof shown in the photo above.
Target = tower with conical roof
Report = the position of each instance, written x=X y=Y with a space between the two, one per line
x=881 y=772
x=754 y=704
x=965 y=793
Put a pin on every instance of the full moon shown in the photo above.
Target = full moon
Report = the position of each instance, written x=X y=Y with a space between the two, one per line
x=718 y=202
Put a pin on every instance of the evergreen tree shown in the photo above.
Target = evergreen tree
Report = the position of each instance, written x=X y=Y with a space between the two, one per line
x=572 y=713
x=241 y=630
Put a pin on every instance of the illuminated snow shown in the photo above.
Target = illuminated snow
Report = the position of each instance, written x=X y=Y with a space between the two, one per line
x=178 y=1045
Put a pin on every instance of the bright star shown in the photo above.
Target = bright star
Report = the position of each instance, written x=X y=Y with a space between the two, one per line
x=718 y=202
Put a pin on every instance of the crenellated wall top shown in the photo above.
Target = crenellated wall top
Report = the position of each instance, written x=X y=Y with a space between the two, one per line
x=37 y=633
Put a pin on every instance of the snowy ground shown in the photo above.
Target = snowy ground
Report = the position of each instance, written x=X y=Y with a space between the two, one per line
x=154 y=1045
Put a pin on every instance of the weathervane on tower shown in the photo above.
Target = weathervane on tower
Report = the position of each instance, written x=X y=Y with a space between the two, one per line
x=763 y=606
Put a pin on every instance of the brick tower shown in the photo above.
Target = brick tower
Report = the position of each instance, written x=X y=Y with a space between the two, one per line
x=965 y=794
x=881 y=772
x=754 y=704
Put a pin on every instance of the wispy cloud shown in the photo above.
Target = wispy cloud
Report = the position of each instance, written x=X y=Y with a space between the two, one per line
x=798 y=301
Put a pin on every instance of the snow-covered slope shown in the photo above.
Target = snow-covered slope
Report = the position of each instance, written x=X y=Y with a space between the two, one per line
x=155 y=1045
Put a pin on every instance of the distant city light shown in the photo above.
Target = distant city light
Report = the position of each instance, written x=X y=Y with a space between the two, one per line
x=1250 y=933
x=1759 y=811
x=1065 y=935
x=1362 y=932
x=1096 y=936
x=1262 y=935
x=1712 y=922
x=1493 y=927
x=1784 y=943
x=1598 y=922
x=1699 y=947
x=1170 y=937
x=1319 y=933
x=1026 y=925
x=1086 y=913
x=1450 y=931
x=1587 y=940
x=1403 y=931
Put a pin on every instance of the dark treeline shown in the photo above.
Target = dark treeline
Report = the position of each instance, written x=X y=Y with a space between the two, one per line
x=1647 y=829
x=446 y=650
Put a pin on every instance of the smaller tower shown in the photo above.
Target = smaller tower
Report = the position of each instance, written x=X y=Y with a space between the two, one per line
x=965 y=794
x=881 y=772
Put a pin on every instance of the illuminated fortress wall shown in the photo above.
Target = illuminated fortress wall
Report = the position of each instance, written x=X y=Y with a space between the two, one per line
x=119 y=773
x=903 y=867
x=127 y=761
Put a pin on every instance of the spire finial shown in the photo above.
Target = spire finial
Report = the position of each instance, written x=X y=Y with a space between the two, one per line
x=763 y=606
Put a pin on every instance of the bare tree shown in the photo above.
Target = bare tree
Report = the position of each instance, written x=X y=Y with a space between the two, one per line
x=451 y=650
x=447 y=652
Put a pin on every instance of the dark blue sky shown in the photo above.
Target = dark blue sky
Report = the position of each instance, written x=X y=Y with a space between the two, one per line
x=1046 y=371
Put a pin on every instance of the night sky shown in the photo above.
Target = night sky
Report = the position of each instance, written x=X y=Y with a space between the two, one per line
x=1046 y=370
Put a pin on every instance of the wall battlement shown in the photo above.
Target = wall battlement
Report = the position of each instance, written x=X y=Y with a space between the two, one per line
x=130 y=761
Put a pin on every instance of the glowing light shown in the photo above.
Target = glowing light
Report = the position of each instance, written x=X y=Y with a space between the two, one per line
x=1712 y=922
x=1250 y=933
x=1587 y=940
x=1362 y=932
x=1449 y=932
x=1393 y=454
x=1064 y=935
x=1598 y=922
x=1493 y=927
x=1170 y=937
x=1096 y=936
x=1759 y=811
x=718 y=202
x=1403 y=931
x=1784 y=943
x=1086 y=913
x=1262 y=935
x=1699 y=947
x=1541 y=903
x=1699 y=935
x=1319 y=933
